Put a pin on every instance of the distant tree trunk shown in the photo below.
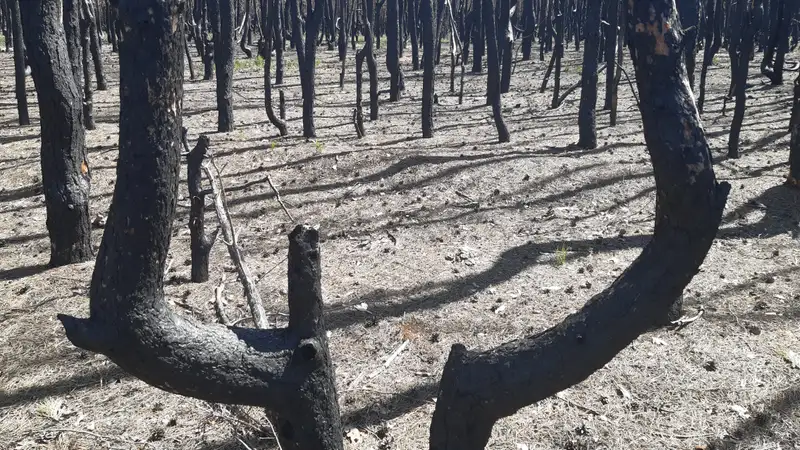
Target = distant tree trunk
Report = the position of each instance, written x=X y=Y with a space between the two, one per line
x=95 y=47
x=6 y=25
x=426 y=17
x=713 y=31
x=751 y=22
x=689 y=13
x=412 y=30
x=587 y=126
x=372 y=64
x=268 y=16
x=280 y=41
x=342 y=38
x=86 y=56
x=529 y=21
x=245 y=29
x=72 y=33
x=493 y=70
x=19 y=62
x=480 y=387
x=204 y=46
x=543 y=26
x=393 y=50
x=777 y=46
x=65 y=168
x=794 y=147
x=558 y=52
x=188 y=52
x=610 y=51
x=222 y=23
x=307 y=58
x=477 y=37
x=506 y=41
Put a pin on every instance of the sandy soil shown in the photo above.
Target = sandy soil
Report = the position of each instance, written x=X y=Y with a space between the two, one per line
x=450 y=239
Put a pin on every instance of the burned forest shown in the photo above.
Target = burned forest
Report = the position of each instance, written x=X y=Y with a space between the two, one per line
x=399 y=224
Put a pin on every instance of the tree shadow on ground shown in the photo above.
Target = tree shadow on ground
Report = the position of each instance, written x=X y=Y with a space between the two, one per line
x=62 y=386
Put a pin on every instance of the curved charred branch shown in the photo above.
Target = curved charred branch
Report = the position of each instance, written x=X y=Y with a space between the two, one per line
x=222 y=22
x=713 y=42
x=19 y=62
x=428 y=60
x=750 y=24
x=493 y=69
x=689 y=13
x=288 y=371
x=794 y=147
x=87 y=22
x=587 y=116
x=201 y=242
x=478 y=388
x=65 y=167
x=267 y=19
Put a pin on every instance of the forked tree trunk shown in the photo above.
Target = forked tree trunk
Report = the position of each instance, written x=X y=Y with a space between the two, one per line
x=587 y=117
x=19 y=62
x=428 y=32
x=65 y=168
x=713 y=32
x=493 y=71
x=222 y=22
x=287 y=371
x=478 y=388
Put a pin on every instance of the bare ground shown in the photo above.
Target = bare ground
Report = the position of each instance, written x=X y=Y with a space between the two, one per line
x=450 y=239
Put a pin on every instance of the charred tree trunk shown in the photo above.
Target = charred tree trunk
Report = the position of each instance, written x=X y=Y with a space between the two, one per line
x=794 y=147
x=587 y=126
x=245 y=30
x=94 y=45
x=478 y=37
x=201 y=242
x=506 y=38
x=342 y=39
x=306 y=59
x=393 y=50
x=86 y=65
x=72 y=34
x=19 y=62
x=689 y=13
x=713 y=32
x=267 y=23
x=222 y=23
x=543 y=26
x=428 y=56
x=493 y=71
x=287 y=371
x=280 y=41
x=65 y=168
x=204 y=46
x=529 y=21
x=610 y=51
x=478 y=388
x=558 y=53
x=412 y=31
x=778 y=45
x=188 y=53
x=372 y=64
x=751 y=22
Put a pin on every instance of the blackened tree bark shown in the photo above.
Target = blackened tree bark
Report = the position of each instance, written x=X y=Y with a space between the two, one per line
x=478 y=37
x=411 y=10
x=610 y=51
x=544 y=24
x=19 y=62
x=478 y=388
x=205 y=47
x=342 y=38
x=372 y=64
x=306 y=58
x=506 y=41
x=750 y=24
x=65 y=168
x=793 y=179
x=280 y=40
x=778 y=45
x=529 y=21
x=86 y=65
x=268 y=16
x=689 y=13
x=94 y=45
x=5 y=25
x=287 y=371
x=393 y=50
x=428 y=57
x=245 y=30
x=558 y=53
x=222 y=22
x=713 y=38
x=72 y=34
x=493 y=96
x=587 y=126
x=200 y=242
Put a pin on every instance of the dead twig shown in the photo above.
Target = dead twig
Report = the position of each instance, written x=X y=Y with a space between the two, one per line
x=683 y=321
x=218 y=305
x=391 y=358
x=278 y=197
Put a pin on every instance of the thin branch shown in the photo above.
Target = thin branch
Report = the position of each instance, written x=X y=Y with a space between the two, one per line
x=278 y=197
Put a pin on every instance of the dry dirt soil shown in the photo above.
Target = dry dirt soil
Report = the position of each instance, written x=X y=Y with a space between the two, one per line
x=431 y=241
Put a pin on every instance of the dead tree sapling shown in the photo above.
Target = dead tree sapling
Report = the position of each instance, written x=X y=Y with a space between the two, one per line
x=587 y=117
x=19 y=62
x=478 y=388
x=558 y=53
x=493 y=96
x=200 y=241
x=65 y=167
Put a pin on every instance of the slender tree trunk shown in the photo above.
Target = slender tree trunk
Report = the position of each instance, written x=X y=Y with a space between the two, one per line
x=751 y=22
x=280 y=41
x=393 y=50
x=477 y=37
x=65 y=167
x=342 y=38
x=86 y=56
x=95 y=47
x=222 y=22
x=713 y=32
x=587 y=126
x=245 y=29
x=200 y=242
x=372 y=64
x=493 y=71
x=267 y=23
x=412 y=30
x=610 y=51
x=506 y=41
x=558 y=52
x=529 y=21
x=428 y=32
x=690 y=20
x=19 y=62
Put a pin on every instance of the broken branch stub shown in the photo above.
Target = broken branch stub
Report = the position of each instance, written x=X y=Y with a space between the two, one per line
x=201 y=242
x=478 y=388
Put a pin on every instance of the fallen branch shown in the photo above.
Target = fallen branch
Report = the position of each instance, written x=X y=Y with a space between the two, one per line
x=229 y=237
x=278 y=197
x=390 y=359
x=683 y=321
x=572 y=88
x=218 y=306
